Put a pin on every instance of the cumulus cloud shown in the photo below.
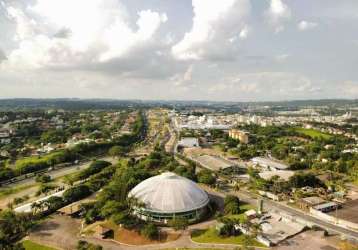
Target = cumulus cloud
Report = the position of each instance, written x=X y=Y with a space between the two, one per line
x=305 y=25
x=277 y=14
x=78 y=32
x=267 y=85
x=214 y=24
x=350 y=89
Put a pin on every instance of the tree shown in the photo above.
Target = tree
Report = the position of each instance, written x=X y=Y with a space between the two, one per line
x=54 y=202
x=206 y=177
x=150 y=231
x=44 y=178
x=117 y=151
x=299 y=180
x=84 y=245
x=232 y=204
x=13 y=227
x=178 y=223
x=76 y=193
x=95 y=167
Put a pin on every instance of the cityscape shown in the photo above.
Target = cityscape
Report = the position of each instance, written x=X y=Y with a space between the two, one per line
x=178 y=125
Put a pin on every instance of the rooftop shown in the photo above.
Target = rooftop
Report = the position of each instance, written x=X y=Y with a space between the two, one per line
x=214 y=163
x=269 y=163
x=170 y=193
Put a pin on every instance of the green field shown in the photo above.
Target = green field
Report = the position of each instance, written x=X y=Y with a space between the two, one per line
x=210 y=236
x=313 y=133
x=30 y=245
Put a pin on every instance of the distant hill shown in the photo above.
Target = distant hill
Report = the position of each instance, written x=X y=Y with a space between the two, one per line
x=78 y=104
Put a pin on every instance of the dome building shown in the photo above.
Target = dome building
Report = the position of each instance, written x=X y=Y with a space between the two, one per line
x=167 y=196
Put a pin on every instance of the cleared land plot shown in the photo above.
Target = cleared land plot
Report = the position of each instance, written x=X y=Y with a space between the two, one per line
x=313 y=133
x=348 y=212
x=59 y=231
x=309 y=240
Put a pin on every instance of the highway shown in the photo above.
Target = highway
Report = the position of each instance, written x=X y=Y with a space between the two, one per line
x=60 y=172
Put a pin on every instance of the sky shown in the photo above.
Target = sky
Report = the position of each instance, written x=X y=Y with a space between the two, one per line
x=227 y=50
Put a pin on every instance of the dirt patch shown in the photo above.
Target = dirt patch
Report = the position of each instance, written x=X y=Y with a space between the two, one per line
x=59 y=231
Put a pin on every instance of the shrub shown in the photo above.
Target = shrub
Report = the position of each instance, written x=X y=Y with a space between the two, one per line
x=179 y=223
x=150 y=231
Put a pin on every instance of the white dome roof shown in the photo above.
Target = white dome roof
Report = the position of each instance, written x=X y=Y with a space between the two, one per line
x=170 y=193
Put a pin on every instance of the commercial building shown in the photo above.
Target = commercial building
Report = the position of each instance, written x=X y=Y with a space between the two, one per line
x=240 y=135
x=167 y=196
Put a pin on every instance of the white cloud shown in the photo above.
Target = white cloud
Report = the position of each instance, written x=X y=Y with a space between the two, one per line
x=188 y=75
x=277 y=14
x=244 y=32
x=350 y=89
x=183 y=79
x=97 y=31
x=305 y=25
x=282 y=58
x=214 y=23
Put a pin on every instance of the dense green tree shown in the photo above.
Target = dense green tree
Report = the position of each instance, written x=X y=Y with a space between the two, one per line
x=76 y=193
x=232 y=204
x=206 y=177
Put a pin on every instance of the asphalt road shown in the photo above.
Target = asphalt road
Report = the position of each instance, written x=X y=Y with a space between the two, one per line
x=60 y=172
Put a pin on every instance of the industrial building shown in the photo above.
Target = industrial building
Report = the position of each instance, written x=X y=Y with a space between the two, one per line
x=214 y=163
x=268 y=164
x=167 y=196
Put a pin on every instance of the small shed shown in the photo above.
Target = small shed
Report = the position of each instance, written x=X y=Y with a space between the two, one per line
x=102 y=231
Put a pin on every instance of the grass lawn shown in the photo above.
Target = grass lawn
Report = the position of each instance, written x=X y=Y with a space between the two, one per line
x=243 y=208
x=210 y=236
x=313 y=133
x=13 y=190
x=30 y=245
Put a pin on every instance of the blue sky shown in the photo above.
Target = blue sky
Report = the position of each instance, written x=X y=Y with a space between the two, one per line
x=234 y=50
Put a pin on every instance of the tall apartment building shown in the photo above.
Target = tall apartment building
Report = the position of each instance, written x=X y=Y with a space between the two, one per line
x=240 y=135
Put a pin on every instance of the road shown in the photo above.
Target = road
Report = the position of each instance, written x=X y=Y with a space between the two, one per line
x=270 y=205
x=60 y=172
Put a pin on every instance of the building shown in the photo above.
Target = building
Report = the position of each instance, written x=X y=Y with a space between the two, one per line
x=327 y=207
x=102 y=231
x=308 y=202
x=268 y=164
x=214 y=163
x=242 y=136
x=283 y=174
x=167 y=196
x=188 y=142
